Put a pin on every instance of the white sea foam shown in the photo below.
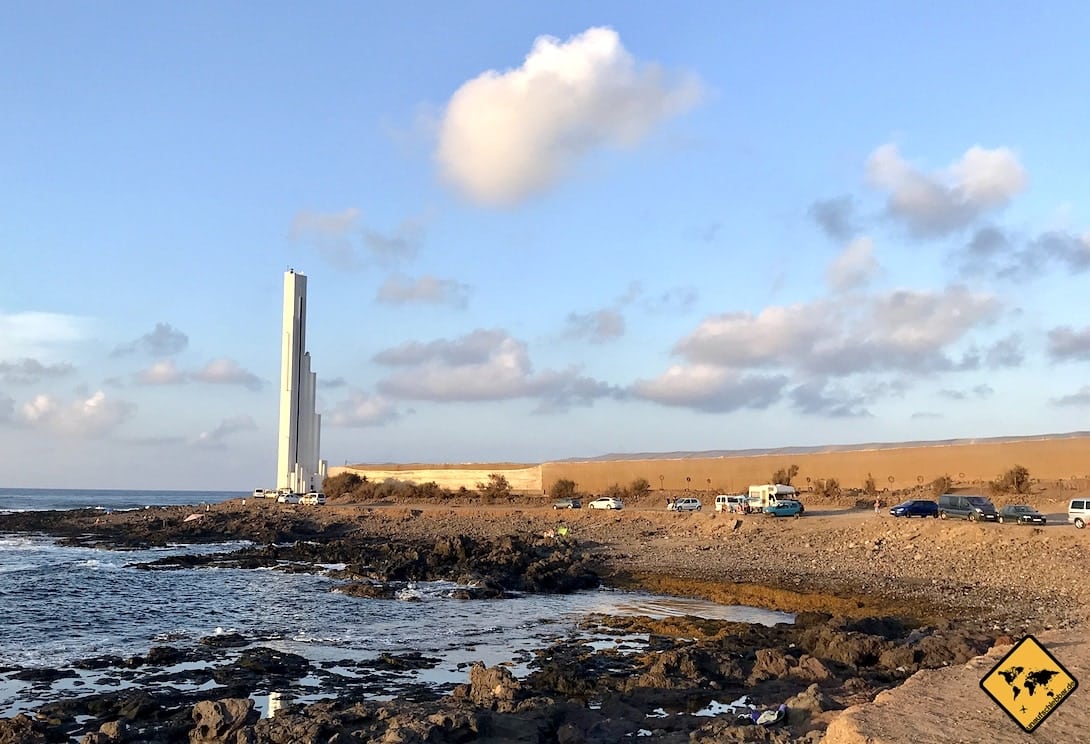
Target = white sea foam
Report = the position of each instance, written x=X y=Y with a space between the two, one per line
x=17 y=567
x=716 y=708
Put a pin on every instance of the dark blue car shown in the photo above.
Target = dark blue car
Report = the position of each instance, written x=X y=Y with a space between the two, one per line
x=916 y=508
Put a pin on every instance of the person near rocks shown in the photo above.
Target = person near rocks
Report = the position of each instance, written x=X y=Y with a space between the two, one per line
x=877 y=504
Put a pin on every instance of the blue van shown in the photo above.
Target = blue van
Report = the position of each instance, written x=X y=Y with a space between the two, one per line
x=972 y=508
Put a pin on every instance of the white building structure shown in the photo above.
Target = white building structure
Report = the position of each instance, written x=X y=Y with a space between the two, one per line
x=298 y=466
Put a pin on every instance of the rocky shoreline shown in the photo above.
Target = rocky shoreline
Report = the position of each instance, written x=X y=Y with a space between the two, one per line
x=848 y=642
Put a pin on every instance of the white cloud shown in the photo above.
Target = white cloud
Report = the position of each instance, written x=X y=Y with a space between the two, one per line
x=1079 y=398
x=163 y=372
x=769 y=338
x=36 y=334
x=30 y=371
x=331 y=233
x=835 y=217
x=400 y=290
x=91 y=416
x=1070 y=250
x=1066 y=343
x=216 y=372
x=225 y=429
x=163 y=340
x=483 y=365
x=401 y=244
x=342 y=240
x=938 y=203
x=854 y=267
x=325 y=224
x=361 y=409
x=507 y=135
x=817 y=397
x=598 y=327
x=903 y=331
x=709 y=388
x=227 y=372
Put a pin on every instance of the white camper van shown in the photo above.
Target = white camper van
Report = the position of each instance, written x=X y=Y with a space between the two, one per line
x=767 y=494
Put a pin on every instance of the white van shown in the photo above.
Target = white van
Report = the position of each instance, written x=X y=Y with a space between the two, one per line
x=768 y=494
x=1078 y=512
x=734 y=503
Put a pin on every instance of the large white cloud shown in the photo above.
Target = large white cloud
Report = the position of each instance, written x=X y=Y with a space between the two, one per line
x=507 y=135
x=483 y=365
x=86 y=417
x=828 y=356
x=361 y=409
x=709 y=388
x=938 y=203
x=217 y=372
x=769 y=338
x=900 y=330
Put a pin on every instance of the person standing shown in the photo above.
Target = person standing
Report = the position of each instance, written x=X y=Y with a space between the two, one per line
x=877 y=504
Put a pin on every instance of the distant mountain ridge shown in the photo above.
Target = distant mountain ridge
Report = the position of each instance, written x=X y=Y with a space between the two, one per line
x=818 y=449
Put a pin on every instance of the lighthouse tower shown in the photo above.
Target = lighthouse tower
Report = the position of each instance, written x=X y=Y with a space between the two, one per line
x=298 y=467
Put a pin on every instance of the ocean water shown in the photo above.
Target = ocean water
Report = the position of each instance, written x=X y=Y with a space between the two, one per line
x=59 y=604
x=39 y=499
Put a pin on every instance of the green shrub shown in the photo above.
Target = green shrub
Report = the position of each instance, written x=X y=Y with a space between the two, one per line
x=1015 y=480
x=341 y=484
x=941 y=485
x=563 y=489
x=497 y=488
x=828 y=488
x=783 y=476
x=615 y=491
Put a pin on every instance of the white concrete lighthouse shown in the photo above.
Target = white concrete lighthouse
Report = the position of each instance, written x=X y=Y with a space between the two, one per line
x=298 y=466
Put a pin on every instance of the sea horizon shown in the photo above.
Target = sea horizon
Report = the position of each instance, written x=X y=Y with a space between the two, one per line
x=47 y=499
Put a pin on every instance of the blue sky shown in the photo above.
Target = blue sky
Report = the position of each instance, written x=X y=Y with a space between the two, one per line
x=535 y=231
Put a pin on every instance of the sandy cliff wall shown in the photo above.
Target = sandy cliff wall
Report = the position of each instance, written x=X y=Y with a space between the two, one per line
x=1064 y=458
x=522 y=477
x=1052 y=459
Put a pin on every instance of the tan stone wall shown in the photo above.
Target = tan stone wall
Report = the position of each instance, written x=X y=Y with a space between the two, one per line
x=1046 y=459
x=523 y=478
x=1052 y=459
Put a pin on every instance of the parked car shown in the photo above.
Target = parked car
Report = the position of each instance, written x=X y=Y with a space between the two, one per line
x=313 y=498
x=785 y=508
x=567 y=504
x=606 y=502
x=968 y=507
x=915 y=508
x=288 y=498
x=686 y=504
x=1021 y=514
x=1078 y=512
x=735 y=503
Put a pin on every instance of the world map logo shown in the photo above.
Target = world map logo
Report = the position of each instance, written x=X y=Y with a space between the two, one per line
x=1028 y=683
